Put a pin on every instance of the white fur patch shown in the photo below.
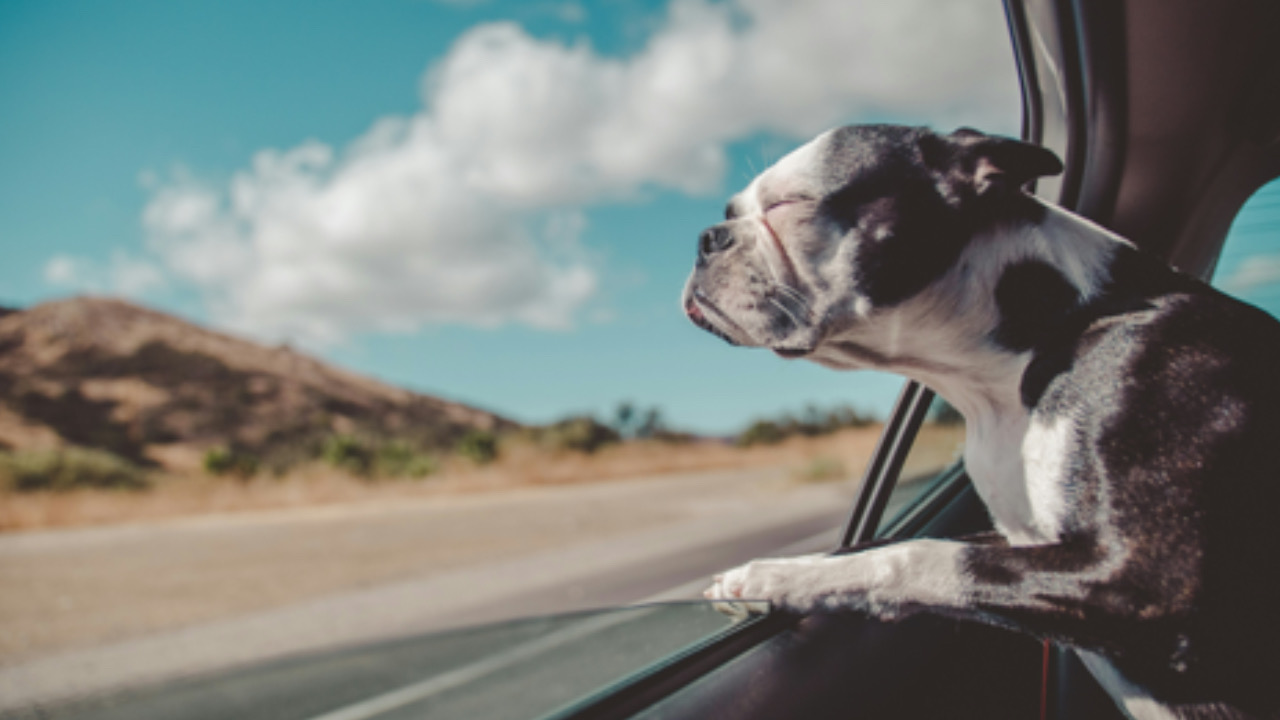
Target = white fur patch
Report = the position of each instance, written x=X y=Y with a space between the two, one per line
x=1044 y=455
x=916 y=572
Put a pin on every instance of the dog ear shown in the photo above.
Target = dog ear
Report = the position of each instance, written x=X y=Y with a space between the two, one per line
x=988 y=162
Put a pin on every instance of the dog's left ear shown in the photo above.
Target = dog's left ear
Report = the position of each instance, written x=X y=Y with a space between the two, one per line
x=987 y=163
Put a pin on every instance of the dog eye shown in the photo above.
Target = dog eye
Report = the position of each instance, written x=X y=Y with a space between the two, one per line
x=777 y=204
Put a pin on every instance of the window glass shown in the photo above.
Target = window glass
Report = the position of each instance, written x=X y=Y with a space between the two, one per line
x=937 y=447
x=1250 y=264
x=536 y=668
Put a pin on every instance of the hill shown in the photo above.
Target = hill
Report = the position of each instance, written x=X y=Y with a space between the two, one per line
x=150 y=387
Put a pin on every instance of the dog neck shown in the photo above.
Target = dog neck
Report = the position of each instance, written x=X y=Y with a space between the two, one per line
x=948 y=338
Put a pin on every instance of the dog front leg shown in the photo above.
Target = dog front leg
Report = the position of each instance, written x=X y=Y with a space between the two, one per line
x=1043 y=589
x=885 y=581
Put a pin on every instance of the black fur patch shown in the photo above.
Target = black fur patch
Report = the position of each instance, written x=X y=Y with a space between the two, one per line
x=880 y=192
x=1133 y=278
x=912 y=210
x=922 y=239
x=1034 y=299
x=1007 y=566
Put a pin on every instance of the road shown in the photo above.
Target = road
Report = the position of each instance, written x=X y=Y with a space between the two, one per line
x=210 y=606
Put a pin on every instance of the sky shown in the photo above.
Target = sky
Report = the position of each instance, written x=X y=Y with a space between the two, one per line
x=495 y=202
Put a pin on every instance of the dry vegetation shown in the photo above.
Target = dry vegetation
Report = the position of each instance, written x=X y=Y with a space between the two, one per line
x=834 y=456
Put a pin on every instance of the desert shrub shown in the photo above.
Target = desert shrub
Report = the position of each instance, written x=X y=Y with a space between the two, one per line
x=652 y=424
x=218 y=461
x=811 y=423
x=630 y=421
x=674 y=437
x=225 y=461
x=69 y=469
x=761 y=432
x=348 y=452
x=846 y=416
x=624 y=418
x=582 y=433
x=821 y=469
x=281 y=459
x=420 y=466
x=479 y=446
x=398 y=458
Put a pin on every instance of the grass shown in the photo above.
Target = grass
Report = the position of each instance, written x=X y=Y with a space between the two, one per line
x=68 y=469
x=519 y=463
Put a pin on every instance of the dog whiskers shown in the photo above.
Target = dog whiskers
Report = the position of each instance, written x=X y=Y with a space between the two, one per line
x=797 y=301
x=791 y=293
x=778 y=304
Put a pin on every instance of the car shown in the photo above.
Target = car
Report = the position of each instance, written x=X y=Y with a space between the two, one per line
x=1167 y=116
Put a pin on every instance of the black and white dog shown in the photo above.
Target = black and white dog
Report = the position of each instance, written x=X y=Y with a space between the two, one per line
x=1123 y=420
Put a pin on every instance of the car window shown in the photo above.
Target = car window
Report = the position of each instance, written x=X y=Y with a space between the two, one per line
x=1249 y=267
x=544 y=667
x=937 y=448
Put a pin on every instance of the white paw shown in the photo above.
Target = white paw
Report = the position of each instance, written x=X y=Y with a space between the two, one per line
x=729 y=585
x=727 y=591
x=786 y=584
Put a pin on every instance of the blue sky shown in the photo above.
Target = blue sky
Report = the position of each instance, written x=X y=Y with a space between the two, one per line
x=491 y=201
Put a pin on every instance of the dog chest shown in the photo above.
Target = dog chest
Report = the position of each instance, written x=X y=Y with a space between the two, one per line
x=1019 y=468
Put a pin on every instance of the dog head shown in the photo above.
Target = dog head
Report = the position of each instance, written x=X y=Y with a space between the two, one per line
x=839 y=233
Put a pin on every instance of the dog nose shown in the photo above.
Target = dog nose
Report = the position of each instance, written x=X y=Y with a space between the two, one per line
x=714 y=240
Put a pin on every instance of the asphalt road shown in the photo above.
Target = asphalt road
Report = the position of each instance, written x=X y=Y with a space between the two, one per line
x=348 y=651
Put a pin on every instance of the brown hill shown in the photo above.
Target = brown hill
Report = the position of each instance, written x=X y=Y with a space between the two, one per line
x=148 y=386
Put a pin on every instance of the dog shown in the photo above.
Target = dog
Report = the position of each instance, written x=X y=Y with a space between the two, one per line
x=1122 y=418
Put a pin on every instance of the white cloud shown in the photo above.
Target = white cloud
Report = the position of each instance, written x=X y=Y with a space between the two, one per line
x=134 y=277
x=470 y=210
x=65 y=271
x=123 y=275
x=1253 y=272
